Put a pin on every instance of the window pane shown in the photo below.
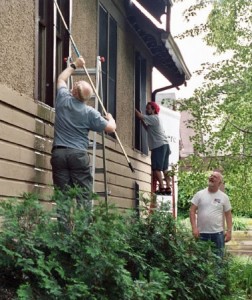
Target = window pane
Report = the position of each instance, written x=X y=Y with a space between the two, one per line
x=112 y=48
x=42 y=63
x=112 y=98
x=41 y=9
x=103 y=37
x=46 y=47
x=141 y=142
x=103 y=49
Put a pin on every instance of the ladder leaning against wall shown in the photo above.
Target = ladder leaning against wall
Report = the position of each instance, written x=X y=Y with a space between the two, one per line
x=94 y=146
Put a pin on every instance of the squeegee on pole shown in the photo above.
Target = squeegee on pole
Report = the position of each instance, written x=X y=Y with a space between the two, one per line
x=91 y=82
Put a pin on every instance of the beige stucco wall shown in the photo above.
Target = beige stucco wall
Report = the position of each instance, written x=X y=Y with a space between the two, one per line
x=26 y=127
x=84 y=30
x=125 y=92
x=17 y=23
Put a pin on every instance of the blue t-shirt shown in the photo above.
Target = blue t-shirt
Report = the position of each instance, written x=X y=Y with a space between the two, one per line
x=73 y=120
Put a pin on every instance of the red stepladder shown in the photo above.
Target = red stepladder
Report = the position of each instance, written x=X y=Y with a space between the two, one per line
x=160 y=201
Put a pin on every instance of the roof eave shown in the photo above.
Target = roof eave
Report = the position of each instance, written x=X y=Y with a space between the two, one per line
x=166 y=55
x=174 y=51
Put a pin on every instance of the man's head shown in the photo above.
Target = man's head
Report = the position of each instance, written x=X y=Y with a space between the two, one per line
x=152 y=108
x=82 y=90
x=215 y=181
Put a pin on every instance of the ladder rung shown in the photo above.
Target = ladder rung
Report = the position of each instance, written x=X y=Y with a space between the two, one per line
x=98 y=146
x=91 y=71
x=99 y=170
x=103 y=193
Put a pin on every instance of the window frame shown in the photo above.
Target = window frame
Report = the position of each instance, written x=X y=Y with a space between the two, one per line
x=50 y=60
x=108 y=48
x=141 y=138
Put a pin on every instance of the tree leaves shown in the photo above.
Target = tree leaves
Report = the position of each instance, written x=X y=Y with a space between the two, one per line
x=221 y=108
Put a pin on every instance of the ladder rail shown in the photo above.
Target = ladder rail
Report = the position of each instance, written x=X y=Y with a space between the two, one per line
x=103 y=135
x=97 y=72
x=94 y=133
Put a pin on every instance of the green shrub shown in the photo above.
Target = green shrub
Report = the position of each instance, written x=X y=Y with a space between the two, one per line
x=101 y=254
x=239 y=223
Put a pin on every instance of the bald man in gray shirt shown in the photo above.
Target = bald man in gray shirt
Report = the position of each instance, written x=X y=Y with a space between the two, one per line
x=209 y=208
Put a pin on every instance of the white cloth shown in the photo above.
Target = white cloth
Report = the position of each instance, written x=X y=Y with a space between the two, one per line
x=211 y=207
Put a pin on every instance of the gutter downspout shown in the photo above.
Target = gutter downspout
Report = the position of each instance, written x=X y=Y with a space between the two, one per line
x=153 y=94
x=168 y=17
x=168 y=30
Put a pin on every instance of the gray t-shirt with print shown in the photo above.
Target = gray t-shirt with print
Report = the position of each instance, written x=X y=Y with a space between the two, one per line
x=73 y=120
x=156 y=133
x=211 y=208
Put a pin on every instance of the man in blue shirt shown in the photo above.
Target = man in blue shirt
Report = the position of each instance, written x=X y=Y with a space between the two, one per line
x=73 y=121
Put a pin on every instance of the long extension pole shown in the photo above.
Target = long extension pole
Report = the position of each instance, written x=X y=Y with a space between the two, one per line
x=91 y=82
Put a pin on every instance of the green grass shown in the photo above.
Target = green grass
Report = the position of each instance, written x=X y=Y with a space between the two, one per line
x=240 y=278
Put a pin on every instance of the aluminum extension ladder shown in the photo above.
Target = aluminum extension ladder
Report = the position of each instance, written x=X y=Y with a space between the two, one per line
x=94 y=145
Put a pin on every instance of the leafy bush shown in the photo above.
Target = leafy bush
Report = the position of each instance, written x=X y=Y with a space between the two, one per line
x=239 y=223
x=101 y=254
x=238 y=187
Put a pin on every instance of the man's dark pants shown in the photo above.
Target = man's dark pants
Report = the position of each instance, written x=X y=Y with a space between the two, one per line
x=71 y=168
x=218 y=239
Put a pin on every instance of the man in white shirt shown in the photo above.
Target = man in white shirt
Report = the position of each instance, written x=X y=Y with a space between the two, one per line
x=212 y=206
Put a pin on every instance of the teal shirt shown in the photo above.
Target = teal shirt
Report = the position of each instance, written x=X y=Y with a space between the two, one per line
x=73 y=121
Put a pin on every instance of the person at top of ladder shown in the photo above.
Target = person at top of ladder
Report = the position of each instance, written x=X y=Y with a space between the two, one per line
x=158 y=145
x=73 y=121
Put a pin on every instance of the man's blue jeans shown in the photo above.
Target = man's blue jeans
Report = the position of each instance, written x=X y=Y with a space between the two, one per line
x=217 y=238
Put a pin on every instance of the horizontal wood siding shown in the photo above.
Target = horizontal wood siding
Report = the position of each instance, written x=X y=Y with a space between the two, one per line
x=26 y=135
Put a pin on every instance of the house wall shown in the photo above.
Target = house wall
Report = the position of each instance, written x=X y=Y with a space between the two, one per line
x=26 y=126
x=17 y=27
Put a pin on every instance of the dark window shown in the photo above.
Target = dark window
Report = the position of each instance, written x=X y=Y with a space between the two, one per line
x=51 y=41
x=108 y=50
x=141 y=142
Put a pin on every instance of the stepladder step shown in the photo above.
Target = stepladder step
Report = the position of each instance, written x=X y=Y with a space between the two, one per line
x=98 y=146
x=81 y=72
x=103 y=194
x=99 y=170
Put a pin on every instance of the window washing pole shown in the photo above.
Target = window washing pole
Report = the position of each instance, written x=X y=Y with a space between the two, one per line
x=91 y=82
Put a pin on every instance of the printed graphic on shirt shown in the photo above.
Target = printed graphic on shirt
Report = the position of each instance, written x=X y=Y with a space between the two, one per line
x=216 y=201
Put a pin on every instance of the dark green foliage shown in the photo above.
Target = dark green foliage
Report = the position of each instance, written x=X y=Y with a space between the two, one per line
x=190 y=182
x=240 y=223
x=101 y=254
x=220 y=107
x=240 y=278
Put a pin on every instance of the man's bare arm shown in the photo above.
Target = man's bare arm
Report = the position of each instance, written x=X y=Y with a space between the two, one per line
x=229 y=222
x=140 y=116
x=195 y=230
